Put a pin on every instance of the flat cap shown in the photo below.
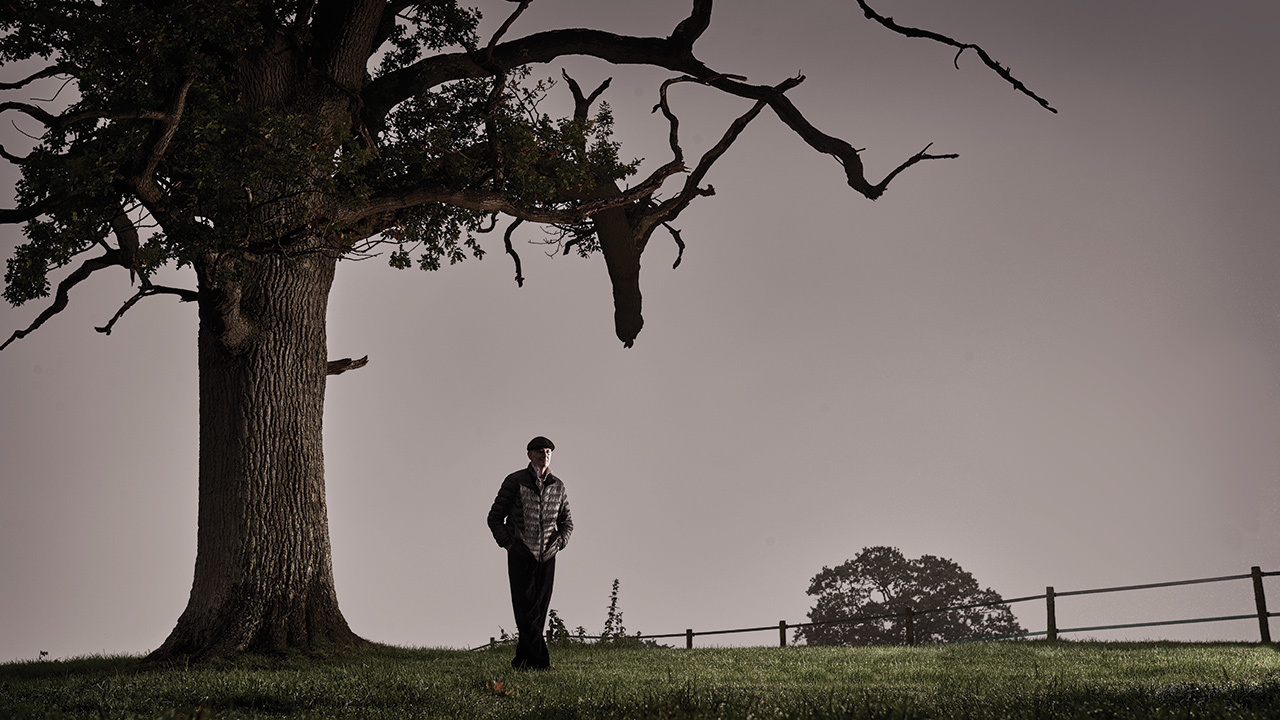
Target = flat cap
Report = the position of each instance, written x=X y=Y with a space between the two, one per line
x=539 y=443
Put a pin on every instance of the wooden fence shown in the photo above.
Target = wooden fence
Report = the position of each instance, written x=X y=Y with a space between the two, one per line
x=1050 y=598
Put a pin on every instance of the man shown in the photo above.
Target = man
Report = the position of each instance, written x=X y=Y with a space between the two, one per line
x=530 y=519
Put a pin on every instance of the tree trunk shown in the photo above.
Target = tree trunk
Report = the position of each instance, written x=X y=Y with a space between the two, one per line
x=263 y=575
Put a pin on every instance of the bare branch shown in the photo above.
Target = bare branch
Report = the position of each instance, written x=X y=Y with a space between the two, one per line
x=506 y=237
x=11 y=157
x=337 y=367
x=52 y=121
x=841 y=150
x=582 y=103
x=669 y=209
x=675 y=235
x=922 y=155
x=960 y=46
x=61 y=87
x=488 y=52
x=41 y=115
x=87 y=268
x=50 y=71
x=147 y=290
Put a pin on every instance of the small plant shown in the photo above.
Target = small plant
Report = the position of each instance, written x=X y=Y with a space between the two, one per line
x=613 y=629
x=556 y=629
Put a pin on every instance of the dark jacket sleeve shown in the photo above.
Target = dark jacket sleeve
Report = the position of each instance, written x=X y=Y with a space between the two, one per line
x=507 y=495
x=565 y=522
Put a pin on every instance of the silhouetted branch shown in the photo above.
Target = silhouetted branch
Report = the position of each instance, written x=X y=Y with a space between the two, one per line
x=11 y=157
x=35 y=210
x=147 y=290
x=512 y=251
x=62 y=296
x=337 y=367
x=582 y=103
x=50 y=71
x=52 y=121
x=675 y=235
x=524 y=4
x=960 y=46
x=669 y=209
x=922 y=155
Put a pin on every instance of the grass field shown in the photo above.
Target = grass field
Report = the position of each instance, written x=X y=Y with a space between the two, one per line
x=990 y=680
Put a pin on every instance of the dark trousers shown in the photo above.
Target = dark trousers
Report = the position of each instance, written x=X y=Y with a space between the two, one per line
x=531 y=583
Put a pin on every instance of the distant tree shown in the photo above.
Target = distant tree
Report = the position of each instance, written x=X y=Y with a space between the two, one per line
x=881 y=581
x=253 y=144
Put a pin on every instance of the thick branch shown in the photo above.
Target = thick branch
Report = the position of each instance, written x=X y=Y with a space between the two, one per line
x=144 y=181
x=692 y=27
x=674 y=53
x=961 y=47
x=337 y=367
x=506 y=237
x=344 y=34
x=21 y=215
x=489 y=201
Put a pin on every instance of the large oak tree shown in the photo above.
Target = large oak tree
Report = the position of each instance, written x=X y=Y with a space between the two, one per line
x=254 y=143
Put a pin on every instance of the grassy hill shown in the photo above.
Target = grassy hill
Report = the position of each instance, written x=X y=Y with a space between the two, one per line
x=989 y=680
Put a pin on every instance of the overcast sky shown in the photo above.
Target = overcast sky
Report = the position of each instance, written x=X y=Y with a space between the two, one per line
x=1054 y=360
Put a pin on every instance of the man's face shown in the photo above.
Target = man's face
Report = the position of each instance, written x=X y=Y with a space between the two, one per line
x=541 y=459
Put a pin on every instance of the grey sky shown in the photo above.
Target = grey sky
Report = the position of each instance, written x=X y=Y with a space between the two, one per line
x=1053 y=360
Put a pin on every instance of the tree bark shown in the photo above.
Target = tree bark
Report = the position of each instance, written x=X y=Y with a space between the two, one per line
x=263 y=576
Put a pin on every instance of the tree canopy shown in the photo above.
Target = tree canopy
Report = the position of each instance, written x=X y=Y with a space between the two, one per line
x=880 y=583
x=225 y=131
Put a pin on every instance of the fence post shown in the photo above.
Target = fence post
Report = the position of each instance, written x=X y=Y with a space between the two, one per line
x=908 y=619
x=492 y=642
x=1051 y=614
x=1260 y=599
x=782 y=633
x=688 y=639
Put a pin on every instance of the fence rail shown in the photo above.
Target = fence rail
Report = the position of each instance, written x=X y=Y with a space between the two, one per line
x=1049 y=596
